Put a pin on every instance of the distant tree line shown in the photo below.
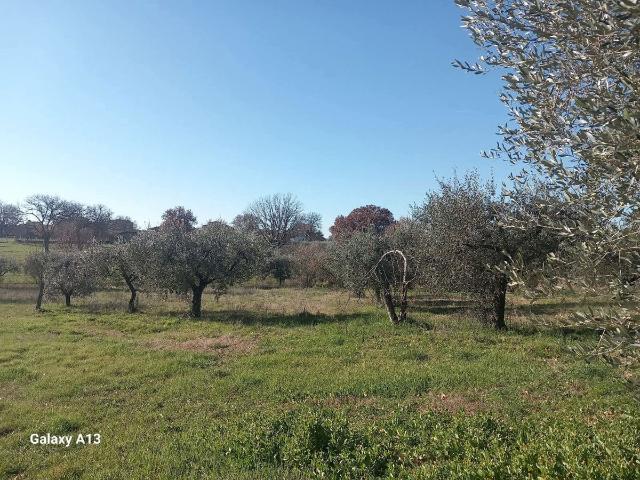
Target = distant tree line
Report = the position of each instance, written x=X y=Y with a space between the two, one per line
x=52 y=219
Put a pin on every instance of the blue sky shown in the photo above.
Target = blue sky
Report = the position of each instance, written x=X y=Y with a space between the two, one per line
x=146 y=105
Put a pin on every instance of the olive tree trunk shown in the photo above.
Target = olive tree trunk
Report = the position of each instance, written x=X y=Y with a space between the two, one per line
x=391 y=308
x=499 y=302
x=133 y=301
x=196 y=300
x=40 y=294
x=385 y=289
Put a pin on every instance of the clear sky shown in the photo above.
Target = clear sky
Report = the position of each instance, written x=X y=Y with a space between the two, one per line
x=146 y=105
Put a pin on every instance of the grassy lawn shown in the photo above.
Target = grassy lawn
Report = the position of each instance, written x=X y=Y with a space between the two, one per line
x=290 y=383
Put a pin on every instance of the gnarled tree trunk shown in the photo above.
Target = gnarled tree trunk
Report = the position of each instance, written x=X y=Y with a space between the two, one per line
x=40 y=294
x=196 y=300
x=391 y=309
x=385 y=289
x=499 y=302
x=404 y=302
x=133 y=301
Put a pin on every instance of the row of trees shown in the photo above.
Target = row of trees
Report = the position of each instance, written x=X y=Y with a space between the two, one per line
x=454 y=241
x=172 y=259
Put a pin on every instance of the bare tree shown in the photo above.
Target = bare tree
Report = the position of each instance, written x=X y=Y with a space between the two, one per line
x=278 y=218
x=98 y=220
x=392 y=275
x=10 y=216
x=48 y=211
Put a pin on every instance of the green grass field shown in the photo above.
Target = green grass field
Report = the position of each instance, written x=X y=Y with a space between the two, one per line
x=288 y=383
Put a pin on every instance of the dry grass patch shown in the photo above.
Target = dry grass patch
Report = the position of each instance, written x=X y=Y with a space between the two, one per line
x=283 y=301
x=469 y=403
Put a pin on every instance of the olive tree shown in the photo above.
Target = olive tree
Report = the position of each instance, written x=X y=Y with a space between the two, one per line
x=35 y=266
x=127 y=262
x=572 y=87
x=216 y=254
x=352 y=259
x=71 y=273
x=279 y=267
x=467 y=247
x=386 y=264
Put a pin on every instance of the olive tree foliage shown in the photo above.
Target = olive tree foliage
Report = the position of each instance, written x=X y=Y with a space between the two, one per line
x=127 y=263
x=71 y=273
x=466 y=247
x=385 y=264
x=279 y=219
x=48 y=212
x=35 y=265
x=279 y=267
x=216 y=254
x=572 y=86
x=352 y=259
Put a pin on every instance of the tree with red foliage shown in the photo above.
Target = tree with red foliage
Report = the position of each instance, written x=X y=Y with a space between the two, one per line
x=180 y=218
x=362 y=219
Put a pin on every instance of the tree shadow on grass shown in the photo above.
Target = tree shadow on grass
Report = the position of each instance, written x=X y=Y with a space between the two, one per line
x=536 y=315
x=558 y=331
x=302 y=319
x=441 y=306
x=558 y=307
